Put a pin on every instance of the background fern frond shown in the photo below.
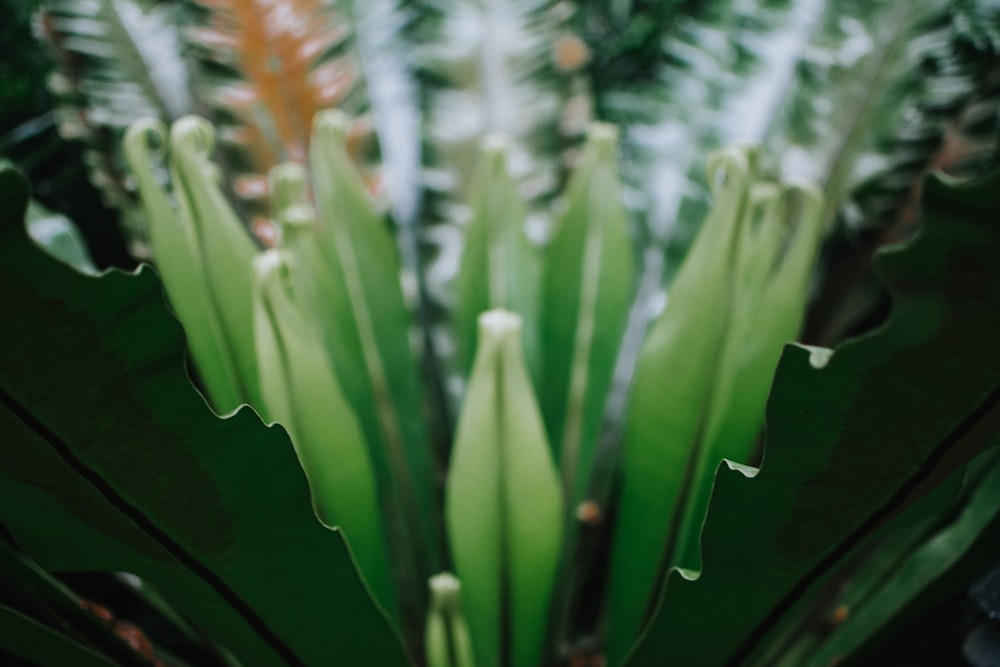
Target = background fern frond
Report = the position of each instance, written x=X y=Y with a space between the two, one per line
x=386 y=59
x=710 y=75
x=944 y=118
x=691 y=77
x=264 y=69
x=118 y=60
x=502 y=67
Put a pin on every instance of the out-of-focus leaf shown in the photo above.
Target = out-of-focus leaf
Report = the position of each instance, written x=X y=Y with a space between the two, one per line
x=224 y=248
x=708 y=74
x=850 y=443
x=117 y=61
x=587 y=288
x=301 y=391
x=26 y=638
x=176 y=240
x=349 y=275
x=776 y=255
x=499 y=267
x=944 y=563
x=852 y=85
x=497 y=69
x=675 y=375
x=511 y=69
x=447 y=639
x=504 y=505
x=99 y=423
x=59 y=237
x=27 y=589
x=265 y=70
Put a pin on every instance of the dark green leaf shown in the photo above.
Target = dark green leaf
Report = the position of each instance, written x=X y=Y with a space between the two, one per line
x=915 y=583
x=113 y=462
x=30 y=640
x=851 y=443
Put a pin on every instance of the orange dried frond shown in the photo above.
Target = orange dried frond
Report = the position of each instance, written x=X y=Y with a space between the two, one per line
x=280 y=62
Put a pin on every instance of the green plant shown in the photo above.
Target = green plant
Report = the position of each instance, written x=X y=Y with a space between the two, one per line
x=603 y=496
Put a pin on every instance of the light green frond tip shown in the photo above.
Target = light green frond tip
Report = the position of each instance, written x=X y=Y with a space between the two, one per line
x=499 y=269
x=227 y=250
x=447 y=639
x=504 y=505
x=180 y=262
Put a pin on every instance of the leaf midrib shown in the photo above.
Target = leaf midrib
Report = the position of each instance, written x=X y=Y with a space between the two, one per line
x=148 y=526
x=988 y=409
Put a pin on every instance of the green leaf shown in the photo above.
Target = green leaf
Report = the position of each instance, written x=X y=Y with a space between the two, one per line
x=852 y=442
x=499 y=269
x=59 y=237
x=225 y=249
x=26 y=638
x=350 y=279
x=503 y=503
x=301 y=391
x=674 y=379
x=587 y=289
x=174 y=242
x=777 y=250
x=447 y=639
x=941 y=566
x=100 y=425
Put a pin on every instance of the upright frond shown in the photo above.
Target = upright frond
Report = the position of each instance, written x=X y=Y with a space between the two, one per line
x=511 y=68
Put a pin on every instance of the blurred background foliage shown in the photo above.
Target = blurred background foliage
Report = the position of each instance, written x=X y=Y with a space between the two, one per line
x=864 y=97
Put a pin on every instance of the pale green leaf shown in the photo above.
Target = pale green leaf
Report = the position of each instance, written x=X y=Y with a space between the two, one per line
x=587 y=289
x=349 y=277
x=499 y=268
x=301 y=392
x=179 y=262
x=503 y=504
